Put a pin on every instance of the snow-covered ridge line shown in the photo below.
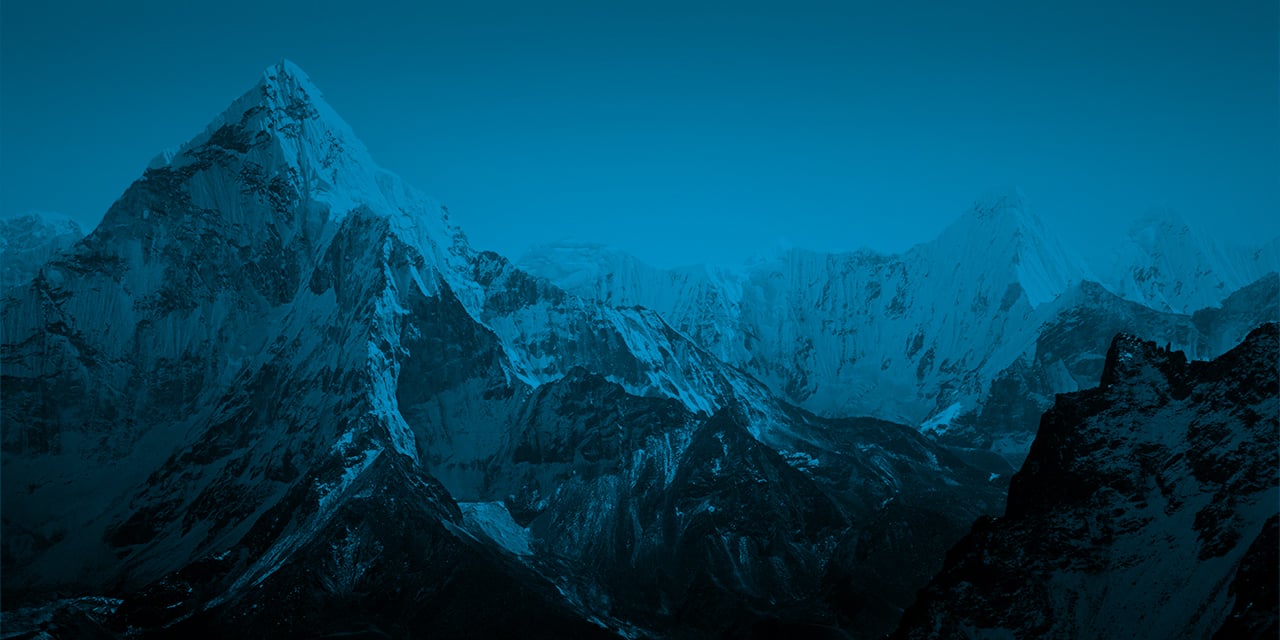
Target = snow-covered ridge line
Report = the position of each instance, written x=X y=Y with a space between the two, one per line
x=909 y=337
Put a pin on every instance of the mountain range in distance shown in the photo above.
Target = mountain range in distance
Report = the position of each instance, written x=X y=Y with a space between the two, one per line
x=276 y=393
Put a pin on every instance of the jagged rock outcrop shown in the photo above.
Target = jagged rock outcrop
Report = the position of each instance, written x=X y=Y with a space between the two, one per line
x=1146 y=508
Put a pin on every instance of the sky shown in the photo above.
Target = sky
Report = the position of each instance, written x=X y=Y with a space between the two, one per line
x=689 y=132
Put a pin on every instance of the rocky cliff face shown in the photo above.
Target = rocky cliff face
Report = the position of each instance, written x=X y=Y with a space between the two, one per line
x=1146 y=508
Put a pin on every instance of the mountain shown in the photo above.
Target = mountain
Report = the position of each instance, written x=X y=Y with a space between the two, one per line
x=1168 y=265
x=1247 y=307
x=968 y=336
x=29 y=240
x=1147 y=507
x=898 y=337
x=275 y=392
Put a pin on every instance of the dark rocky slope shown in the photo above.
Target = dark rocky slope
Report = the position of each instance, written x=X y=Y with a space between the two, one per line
x=1145 y=509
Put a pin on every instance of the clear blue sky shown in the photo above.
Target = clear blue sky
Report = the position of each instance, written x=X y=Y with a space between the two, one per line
x=687 y=134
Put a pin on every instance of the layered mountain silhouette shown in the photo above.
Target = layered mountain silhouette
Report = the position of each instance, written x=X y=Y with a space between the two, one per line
x=275 y=393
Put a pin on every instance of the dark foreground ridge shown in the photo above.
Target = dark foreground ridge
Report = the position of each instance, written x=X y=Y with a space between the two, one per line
x=1147 y=508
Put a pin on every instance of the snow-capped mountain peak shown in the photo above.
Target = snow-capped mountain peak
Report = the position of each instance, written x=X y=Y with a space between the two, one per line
x=1001 y=204
x=37 y=223
x=1003 y=236
x=30 y=239
x=283 y=128
x=280 y=143
x=575 y=265
x=284 y=101
x=1151 y=229
x=1168 y=264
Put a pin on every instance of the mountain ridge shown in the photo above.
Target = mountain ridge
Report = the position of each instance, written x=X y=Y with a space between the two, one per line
x=221 y=407
x=1166 y=454
x=934 y=327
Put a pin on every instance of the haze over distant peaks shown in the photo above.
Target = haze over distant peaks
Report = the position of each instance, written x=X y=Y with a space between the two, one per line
x=1002 y=231
x=30 y=239
x=1168 y=264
